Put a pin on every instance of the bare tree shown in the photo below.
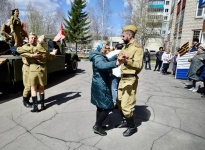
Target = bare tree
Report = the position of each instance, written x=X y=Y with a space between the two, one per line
x=34 y=19
x=42 y=22
x=95 y=23
x=104 y=13
x=147 y=20
x=5 y=10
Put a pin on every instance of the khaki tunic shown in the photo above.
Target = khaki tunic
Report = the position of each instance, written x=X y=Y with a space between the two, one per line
x=38 y=70
x=5 y=30
x=128 y=85
x=25 y=69
x=16 y=26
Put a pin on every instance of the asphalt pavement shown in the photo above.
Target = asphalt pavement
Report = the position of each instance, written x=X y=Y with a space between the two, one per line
x=168 y=117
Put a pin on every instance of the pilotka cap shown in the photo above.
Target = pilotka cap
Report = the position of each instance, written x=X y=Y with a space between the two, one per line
x=130 y=27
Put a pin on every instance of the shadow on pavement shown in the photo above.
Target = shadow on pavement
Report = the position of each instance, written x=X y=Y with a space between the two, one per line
x=61 y=98
x=141 y=114
x=61 y=76
x=9 y=92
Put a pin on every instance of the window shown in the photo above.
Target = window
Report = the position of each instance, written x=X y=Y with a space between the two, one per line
x=166 y=10
x=199 y=11
x=163 y=32
x=167 y=2
x=196 y=34
x=165 y=17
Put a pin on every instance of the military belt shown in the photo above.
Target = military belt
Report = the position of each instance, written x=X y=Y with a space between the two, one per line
x=128 y=75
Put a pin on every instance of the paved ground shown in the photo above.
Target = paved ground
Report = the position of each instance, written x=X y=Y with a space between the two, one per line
x=168 y=116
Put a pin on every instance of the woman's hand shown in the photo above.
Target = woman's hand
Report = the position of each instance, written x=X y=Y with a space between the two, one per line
x=200 y=58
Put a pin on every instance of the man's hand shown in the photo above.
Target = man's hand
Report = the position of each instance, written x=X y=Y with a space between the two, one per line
x=122 y=58
x=55 y=51
x=37 y=55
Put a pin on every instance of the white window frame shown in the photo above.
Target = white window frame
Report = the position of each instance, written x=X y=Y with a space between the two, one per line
x=197 y=7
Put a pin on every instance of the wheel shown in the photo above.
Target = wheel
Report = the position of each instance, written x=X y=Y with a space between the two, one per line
x=74 y=65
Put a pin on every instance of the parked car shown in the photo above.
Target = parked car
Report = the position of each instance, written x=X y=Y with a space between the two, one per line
x=152 y=52
x=86 y=50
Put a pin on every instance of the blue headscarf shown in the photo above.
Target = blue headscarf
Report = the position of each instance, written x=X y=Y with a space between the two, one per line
x=100 y=46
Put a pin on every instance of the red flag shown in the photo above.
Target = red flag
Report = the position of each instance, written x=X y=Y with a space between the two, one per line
x=25 y=30
x=60 y=35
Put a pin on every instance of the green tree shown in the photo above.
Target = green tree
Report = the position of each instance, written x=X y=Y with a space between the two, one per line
x=77 y=25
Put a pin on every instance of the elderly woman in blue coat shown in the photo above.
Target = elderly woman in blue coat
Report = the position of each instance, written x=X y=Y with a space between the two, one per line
x=101 y=95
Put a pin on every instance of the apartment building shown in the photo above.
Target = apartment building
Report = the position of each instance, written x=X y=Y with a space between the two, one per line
x=166 y=19
x=187 y=23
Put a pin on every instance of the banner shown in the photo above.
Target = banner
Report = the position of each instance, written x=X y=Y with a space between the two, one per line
x=184 y=49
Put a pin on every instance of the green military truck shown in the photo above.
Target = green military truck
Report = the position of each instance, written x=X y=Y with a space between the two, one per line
x=11 y=69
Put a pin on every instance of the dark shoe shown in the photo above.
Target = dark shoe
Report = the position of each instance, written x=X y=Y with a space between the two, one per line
x=203 y=96
x=35 y=104
x=26 y=102
x=122 y=125
x=129 y=131
x=154 y=70
x=99 y=130
x=42 y=102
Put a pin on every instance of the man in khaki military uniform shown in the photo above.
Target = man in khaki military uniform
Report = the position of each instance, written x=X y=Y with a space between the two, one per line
x=5 y=31
x=132 y=66
x=38 y=72
x=25 y=68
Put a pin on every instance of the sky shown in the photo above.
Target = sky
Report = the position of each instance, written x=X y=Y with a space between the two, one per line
x=116 y=6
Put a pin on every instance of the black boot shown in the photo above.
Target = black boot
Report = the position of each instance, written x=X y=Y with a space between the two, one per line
x=26 y=102
x=123 y=123
x=131 y=127
x=99 y=130
x=42 y=102
x=35 y=104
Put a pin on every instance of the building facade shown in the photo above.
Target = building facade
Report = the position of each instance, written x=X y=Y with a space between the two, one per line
x=186 y=24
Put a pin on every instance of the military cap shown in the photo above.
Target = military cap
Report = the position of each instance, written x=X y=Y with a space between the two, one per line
x=130 y=27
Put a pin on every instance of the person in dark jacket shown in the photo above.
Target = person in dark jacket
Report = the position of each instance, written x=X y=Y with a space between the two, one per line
x=159 y=59
x=101 y=95
x=195 y=68
x=146 y=58
x=195 y=45
x=174 y=67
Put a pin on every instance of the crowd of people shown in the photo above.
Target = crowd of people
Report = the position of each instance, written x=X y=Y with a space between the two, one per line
x=163 y=59
x=196 y=72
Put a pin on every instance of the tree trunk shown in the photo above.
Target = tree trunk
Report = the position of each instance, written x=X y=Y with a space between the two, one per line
x=76 y=47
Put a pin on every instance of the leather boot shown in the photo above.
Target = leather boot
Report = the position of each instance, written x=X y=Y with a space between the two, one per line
x=131 y=127
x=42 y=102
x=26 y=102
x=35 y=104
x=99 y=130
